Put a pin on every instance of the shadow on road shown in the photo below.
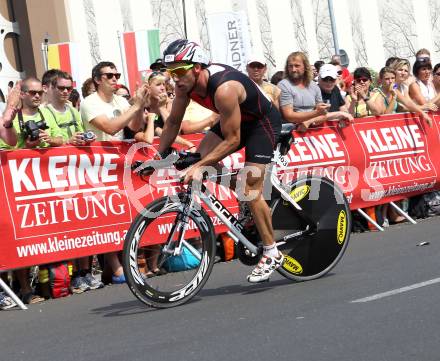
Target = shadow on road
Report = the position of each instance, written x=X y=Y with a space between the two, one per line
x=127 y=308
x=247 y=289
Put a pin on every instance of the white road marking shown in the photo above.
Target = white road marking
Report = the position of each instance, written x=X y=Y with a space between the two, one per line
x=396 y=291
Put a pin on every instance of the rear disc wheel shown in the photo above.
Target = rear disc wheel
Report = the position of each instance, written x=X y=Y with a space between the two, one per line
x=313 y=254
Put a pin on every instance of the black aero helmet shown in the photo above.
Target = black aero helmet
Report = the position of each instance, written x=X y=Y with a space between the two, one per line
x=186 y=51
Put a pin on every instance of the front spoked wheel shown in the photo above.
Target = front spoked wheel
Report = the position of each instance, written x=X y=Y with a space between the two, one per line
x=313 y=240
x=157 y=272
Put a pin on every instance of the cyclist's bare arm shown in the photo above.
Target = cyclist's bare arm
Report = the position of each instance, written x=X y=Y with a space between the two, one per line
x=227 y=100
x=172 y=125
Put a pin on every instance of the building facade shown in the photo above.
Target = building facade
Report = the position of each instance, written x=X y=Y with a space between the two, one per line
x=369 y=33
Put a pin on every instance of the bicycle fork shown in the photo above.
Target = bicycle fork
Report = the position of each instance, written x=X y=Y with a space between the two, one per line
x=174 y=248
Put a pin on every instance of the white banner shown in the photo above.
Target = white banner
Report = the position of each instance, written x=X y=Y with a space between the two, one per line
x=229 y=38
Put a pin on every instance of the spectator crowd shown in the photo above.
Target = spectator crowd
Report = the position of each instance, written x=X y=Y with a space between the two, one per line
x=50 y=113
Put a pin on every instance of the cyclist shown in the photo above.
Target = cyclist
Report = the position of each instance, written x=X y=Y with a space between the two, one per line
x=247 y=119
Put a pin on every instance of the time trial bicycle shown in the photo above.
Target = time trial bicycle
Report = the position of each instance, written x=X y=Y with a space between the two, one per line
x=310 y=216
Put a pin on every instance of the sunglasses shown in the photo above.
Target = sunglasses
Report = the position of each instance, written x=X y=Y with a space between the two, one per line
x=35 y=92
x=256 y=65
x=362 y=80
x=328 y=79
x=436 y=74
x=180 y=71
x=111 y=75
x=62 y=88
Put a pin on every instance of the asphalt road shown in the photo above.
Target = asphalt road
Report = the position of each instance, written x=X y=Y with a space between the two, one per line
x=280 y=320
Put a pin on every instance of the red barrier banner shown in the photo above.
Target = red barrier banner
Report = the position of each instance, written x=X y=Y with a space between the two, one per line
x=375 y=160
x=68 y=202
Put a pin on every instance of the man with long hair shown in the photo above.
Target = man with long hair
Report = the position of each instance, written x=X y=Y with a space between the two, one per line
x=300 y=99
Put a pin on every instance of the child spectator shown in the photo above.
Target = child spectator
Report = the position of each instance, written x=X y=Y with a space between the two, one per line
x=386 y=102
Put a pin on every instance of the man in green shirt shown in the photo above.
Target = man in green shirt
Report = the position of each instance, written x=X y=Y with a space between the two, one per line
x=64 y=114
x=31 y=93
x=69 y=121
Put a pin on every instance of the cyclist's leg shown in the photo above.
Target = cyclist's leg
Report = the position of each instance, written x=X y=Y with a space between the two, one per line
x=257 y=204
x=272 y=258
x=260 y=141
x=211 y=140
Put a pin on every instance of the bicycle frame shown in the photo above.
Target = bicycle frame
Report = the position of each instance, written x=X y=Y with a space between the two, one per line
x=228 y=219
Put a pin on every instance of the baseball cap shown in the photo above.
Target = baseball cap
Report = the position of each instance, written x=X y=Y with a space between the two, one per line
x=256 y=59
x=328 y=70
x=157 y=65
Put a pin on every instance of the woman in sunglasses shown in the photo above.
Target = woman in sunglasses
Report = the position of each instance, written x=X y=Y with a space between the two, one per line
x=361 y=102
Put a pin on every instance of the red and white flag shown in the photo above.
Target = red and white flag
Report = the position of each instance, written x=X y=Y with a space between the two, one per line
x=140 y=49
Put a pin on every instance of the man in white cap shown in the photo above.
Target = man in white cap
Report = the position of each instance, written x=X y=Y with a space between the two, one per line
x=256 y=69
x=328 y=75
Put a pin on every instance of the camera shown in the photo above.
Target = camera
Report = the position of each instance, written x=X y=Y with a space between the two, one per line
x=32 y=129
x=88 y=136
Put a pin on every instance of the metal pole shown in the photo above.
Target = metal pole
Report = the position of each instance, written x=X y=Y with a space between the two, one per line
x=44 y=50
x=332 y=21
x=402 y=213
x=184 y=19
x=12 y=295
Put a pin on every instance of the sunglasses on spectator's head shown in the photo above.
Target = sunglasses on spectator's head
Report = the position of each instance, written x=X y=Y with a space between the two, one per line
x=32 y=93
x=111 y=75
x=362 y=80
x=423 y=59
x=180 y=70
x=62 y=88
x=155 y=74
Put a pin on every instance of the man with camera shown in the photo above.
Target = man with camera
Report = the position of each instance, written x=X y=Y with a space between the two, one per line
x=35 y=129
x=59 y=85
